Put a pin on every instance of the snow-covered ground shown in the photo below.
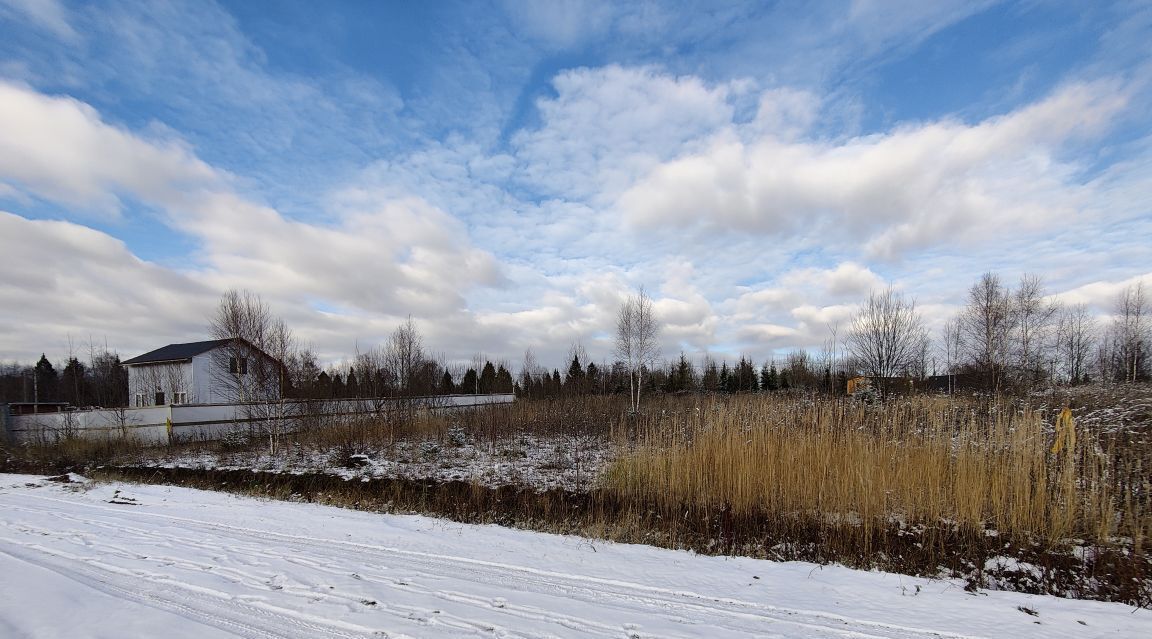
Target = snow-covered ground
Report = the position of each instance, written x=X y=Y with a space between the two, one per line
x=527 y=461
x=121 y=560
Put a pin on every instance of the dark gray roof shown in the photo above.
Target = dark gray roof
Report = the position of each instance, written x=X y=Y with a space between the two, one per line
x=177 y=352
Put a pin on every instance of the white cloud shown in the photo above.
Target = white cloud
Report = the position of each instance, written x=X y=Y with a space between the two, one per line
x=1102 y=295
x=378 y=253
x=847 y=279
x=912 y=187
x=608 y=125
x=63 y=280
x=61 y=150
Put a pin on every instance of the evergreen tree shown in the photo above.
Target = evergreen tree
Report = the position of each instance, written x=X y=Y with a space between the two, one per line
x=574 y=384
x=725 y=378
x=324 y=385
x=784 y=385
x=745 y=376
x=468 y=385
x=47 y=382
x=711 y=380
x=684 y=377
x=503 y=380
x=487 y=378
x=772 y=381
x=109 y=384
x=338 y=390
x=447 y=387
x=554 y=384
x=352 y=386
x=592 y=378
x=74 y=383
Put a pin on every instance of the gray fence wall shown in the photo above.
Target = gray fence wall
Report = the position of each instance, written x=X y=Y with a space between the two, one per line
x=159 y=425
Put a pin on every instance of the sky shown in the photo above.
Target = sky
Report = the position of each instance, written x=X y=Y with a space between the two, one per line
x=506 y=173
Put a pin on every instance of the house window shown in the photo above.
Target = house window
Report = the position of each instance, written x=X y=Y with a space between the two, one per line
x=180 y=398
x=238 y=366
x=140 y=401
x=159 y=398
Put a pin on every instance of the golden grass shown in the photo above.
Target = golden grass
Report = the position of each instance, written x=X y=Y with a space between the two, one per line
x=976 y=465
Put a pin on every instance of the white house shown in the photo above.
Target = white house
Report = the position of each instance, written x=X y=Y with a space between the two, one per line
x=224 y=371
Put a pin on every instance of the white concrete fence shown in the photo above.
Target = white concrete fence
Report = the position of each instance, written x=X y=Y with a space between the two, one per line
x=161 y=425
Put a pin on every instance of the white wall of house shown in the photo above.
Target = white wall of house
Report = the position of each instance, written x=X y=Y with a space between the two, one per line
x=173 y=379
x=200 y=380
x=208 y=390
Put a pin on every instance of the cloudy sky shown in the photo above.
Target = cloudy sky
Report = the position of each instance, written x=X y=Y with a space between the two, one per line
x=506 y=172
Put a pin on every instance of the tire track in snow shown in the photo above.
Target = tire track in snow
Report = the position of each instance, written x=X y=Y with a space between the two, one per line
x=660 y=601
x=222 y=613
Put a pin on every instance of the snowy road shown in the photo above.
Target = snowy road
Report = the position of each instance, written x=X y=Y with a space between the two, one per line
x=120 y=560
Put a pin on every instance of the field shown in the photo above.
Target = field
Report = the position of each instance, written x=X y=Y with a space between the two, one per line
x=976 y=489
x=137 y=560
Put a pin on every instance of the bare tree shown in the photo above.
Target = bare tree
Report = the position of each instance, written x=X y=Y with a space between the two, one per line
x=1130 y=331
x=1075 y=340
x=637 y=341
x=251 y=367
x=1033 y=323
x=986 y=327
x=951 y=342
x=404 y=357
x=887 y=335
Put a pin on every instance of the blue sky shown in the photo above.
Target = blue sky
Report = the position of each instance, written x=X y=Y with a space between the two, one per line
x=507 y=172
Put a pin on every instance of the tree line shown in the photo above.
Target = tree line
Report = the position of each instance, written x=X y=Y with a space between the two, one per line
x=99 y=381
x=1004 y=339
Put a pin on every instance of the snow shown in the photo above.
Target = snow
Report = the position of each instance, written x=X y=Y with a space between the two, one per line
x=82 y=559
x=537 y=462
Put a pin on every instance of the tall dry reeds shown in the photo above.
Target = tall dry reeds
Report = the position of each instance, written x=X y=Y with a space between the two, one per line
x=839 y=465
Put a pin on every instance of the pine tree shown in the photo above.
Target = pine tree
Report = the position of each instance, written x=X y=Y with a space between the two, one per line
x=468 y=385
x=74 y=383
x=47 y=381
x=503 y=380
x=772 y=381
x=487 y=378
x=745 y=376
x=711 y=380
x=447 y=387
x=592 y=378
x=352 y=386
x=575 y=382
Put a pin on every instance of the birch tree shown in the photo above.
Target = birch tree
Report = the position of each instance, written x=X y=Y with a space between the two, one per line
x=251 y=367
x=986 y=326
x=1131 y=333
x=1034 y=316
x=1075 y=340
x=637 y=341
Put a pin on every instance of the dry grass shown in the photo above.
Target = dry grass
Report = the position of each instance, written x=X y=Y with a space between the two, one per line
x=66 y=454
x=492 y=425
x=856 y=469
